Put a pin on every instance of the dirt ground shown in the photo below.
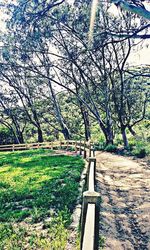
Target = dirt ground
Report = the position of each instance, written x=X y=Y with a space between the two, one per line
x=124 y=185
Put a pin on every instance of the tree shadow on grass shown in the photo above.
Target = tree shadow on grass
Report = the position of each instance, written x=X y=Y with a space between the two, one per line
x=40 y=184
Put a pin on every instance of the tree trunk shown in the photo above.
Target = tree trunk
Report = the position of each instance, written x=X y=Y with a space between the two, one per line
x=20 y=137
x=58 y=113
x=132 y=131
x=109 y=137
x=124 y=137
x=66 y=133
x=108 y=133
x=40 y=135
x=86 y=121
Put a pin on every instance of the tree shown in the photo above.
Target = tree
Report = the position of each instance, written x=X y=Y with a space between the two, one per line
x=134 y=6
x=11 y=115
x=53 y=53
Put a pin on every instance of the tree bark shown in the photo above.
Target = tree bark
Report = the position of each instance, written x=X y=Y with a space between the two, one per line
x=40 y=134
x=132 y=131
x=66 y=133
x=86 y=122
x=108 y=133
x=20 y=137
x=124 y=137
x=109 y=136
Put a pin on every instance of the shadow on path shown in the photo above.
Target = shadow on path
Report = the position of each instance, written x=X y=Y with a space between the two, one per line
x=125 y=211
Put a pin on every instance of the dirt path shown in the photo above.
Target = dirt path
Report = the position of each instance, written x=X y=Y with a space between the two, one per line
x=125 y=211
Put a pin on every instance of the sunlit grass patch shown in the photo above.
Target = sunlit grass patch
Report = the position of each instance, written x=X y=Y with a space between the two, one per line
x=32 y=184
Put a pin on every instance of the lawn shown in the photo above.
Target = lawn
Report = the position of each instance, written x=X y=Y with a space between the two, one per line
x=38 y=192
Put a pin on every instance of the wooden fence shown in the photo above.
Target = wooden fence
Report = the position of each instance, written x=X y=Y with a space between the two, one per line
x=90 y=209
x=91 y=199
x=82 y=146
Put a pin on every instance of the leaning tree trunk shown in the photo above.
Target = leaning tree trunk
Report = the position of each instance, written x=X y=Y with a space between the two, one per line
x=124 y=137
x=131 y=130
x=66 y=133
x=59 y=117
x=86 y=121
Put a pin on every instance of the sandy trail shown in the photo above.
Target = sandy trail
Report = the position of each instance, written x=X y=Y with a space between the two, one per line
x=125 y=211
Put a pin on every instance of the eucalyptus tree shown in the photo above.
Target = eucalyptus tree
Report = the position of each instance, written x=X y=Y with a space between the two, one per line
x=82 y=69
x=12 y=115
x=20 y=70
x=23 y=84
x=55 y=49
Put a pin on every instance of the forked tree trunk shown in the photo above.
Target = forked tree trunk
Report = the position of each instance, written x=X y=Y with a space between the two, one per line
x=132 y=131
x=108 y=133
x=20 y=137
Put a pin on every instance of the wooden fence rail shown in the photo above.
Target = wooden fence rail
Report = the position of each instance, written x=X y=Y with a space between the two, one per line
x=90 y=208
x=82 y=146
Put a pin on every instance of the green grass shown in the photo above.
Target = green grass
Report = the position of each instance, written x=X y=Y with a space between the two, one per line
x=34 y=185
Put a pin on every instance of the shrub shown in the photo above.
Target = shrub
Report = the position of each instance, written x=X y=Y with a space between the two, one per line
x=131 y=146
x=111 y=148
x=6 y=136
x=139 y=152
x=100 y=145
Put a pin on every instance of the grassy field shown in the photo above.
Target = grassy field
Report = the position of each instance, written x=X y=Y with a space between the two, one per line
x=37 y=196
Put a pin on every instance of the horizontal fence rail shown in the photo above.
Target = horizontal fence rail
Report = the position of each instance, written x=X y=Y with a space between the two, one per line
x=90 y=208
x=89 y=235
x=83 y=147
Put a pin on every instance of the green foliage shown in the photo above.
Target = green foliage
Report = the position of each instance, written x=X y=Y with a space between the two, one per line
x=99 y=146
x=11 y=238
x=14 y=237
x=139 y=150
x=102 y=240
x=138 y=147
x=111 y=148
x=6 y=137
x=140 y=153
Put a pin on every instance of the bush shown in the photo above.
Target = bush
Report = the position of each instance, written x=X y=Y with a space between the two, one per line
x=111 y=148
x=140 y=148
x=6 y=136
x=99 y=146
x=131 y=146
x=139 y=152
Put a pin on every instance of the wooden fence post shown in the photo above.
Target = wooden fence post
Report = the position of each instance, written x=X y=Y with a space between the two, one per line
x=80 y=150
x=84 y=152
x=91 y=159
x=60 y=145
x=89 y=148
x=76 y=150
